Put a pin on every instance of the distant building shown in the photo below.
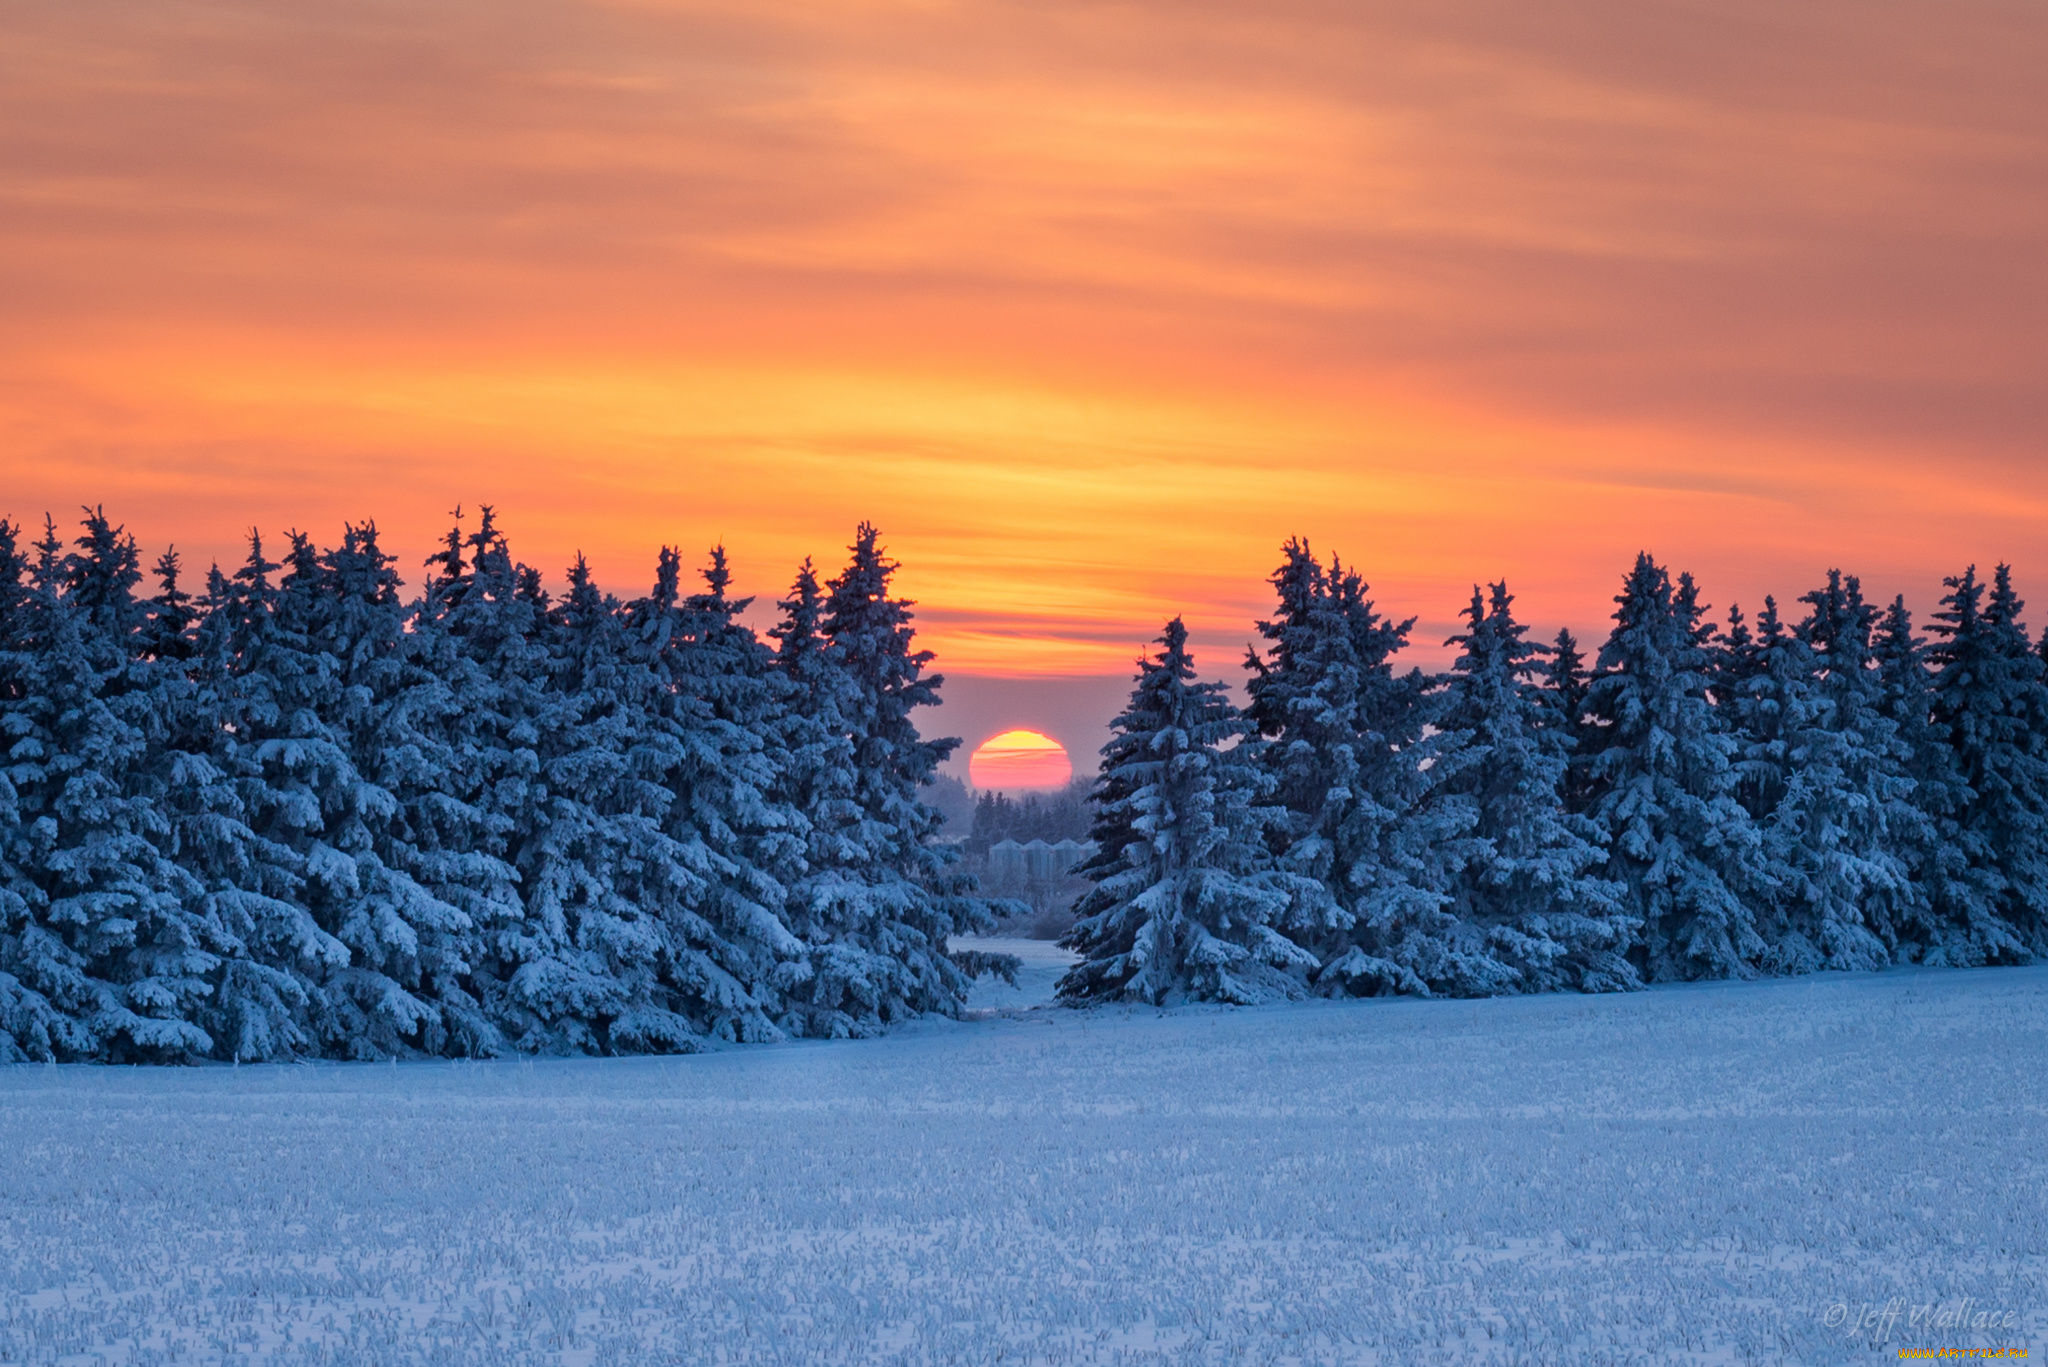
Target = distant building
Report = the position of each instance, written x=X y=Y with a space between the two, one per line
x=1036 y=859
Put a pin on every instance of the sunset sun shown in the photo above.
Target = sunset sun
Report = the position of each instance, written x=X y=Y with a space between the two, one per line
x=1020 y=759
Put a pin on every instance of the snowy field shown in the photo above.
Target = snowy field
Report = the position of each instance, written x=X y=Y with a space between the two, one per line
x=1040 y=967
x=1729 y=1173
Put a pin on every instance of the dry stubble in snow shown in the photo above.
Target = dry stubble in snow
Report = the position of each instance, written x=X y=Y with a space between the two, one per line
x=1728 y=1173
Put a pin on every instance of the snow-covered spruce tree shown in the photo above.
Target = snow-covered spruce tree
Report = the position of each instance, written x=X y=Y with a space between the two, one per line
x=107 y=961
x=434 y=736
x=1749 y=672
x=712 y=743
x=1957 y=887
x=308 y=887
x=813 y=751
x=1565 y=681
x=1348 y=745
x=170 y=619
x=410 y=941
x=878 y=899
x=1832 y=766
x=612 y=900
x=1733 y=663
x=179 y=959
x=483 y=627
x=245 y=892
x=1684 y=848
x=302 y=674
x=1187 y=904
x=1989 y=695
x=42 y=983
x=1532 y=912
x=14 y=596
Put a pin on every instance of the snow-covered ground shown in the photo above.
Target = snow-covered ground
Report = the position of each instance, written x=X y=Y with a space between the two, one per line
x=1040 y=966
x=1723 y=1173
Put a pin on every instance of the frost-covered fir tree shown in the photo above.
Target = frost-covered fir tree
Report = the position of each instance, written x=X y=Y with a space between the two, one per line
x=43 y=986
x=813 y=750
x=877 y=900
x=271 y=947
x=714 y=724
x=1349 y=746
x=1564 y=677
x=14 y=596
x=103 y=956
x=170 y=617
x=409 y=931
x=427 y=725
x=1990 y=696
x=611 y=900
x=1833 y=768
x=1187 y=904
x=1957 y=888
x=482 y=627
x=319 y=909
x=1683 y=847
x=1566 y=680
x=1750 y=674
x=1533 y=913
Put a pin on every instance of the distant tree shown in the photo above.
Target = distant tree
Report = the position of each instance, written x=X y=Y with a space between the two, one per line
x=950 y=798
x=994 y=815
x=1187 y=904
x=1051 y=817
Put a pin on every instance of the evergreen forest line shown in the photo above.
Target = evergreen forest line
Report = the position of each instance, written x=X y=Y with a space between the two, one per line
x=1703 y=801
x=299 y=814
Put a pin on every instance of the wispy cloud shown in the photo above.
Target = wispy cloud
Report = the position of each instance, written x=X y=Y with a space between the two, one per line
x=1088 y=304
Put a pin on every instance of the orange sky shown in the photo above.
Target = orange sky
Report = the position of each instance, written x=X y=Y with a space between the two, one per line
x=1089 y=306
